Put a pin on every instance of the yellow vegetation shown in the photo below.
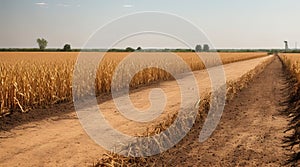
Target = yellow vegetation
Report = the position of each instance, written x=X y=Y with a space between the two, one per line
x=292 y=61
x=37 y=79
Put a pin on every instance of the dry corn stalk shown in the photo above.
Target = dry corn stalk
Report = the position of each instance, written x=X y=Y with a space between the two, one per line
x=30 y=80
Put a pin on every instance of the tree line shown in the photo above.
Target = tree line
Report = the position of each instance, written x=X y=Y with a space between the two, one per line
x=42 y=43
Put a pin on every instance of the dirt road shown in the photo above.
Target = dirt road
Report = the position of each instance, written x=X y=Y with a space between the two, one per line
x=250 y=132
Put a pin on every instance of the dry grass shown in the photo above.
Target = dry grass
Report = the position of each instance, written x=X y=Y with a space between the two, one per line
x=292 y=141
x=292 y=61
x=39 y=79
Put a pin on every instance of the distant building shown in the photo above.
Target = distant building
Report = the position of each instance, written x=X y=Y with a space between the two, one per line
x=286 y=46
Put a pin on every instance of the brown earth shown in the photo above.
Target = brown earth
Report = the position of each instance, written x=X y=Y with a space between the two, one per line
x=250 y=132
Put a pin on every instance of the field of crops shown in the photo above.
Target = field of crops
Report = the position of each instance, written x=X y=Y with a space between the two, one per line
x=38 y=79
x=292 y=61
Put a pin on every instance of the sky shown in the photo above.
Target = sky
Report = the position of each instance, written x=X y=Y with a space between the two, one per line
x=226 y=23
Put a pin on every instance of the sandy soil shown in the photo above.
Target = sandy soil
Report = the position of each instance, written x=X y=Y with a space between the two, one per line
x=250 y=133
x=250 y=129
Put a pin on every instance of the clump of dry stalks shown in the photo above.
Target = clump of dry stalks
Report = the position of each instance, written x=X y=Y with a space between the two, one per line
x=291 y=63
x=39 y=79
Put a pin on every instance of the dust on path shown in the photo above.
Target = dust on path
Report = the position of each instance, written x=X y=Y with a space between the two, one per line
x=250 y=132
x=59 y=140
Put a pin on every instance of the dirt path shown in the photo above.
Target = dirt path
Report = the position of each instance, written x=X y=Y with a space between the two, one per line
x=250 y=132
x=59 y=140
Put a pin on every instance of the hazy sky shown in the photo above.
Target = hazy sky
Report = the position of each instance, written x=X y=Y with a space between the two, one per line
x=227 y=23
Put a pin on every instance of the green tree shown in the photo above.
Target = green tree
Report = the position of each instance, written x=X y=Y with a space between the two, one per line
x=67 y=47
x=205 y=47
x=198 y=48
x=139 y=48
x=42 y=43
x=129 y=49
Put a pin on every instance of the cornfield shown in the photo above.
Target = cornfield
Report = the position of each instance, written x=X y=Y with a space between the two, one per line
x=292 y=61
x=37 y=79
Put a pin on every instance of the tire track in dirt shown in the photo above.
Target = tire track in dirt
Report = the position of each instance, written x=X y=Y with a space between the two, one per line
x=250 y=133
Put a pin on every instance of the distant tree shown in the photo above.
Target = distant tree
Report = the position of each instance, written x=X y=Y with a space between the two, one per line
x=205 y=48
x=67 y=47
x=42 y=43
x=139 y=48
x=129 y=49
x=198 y=48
